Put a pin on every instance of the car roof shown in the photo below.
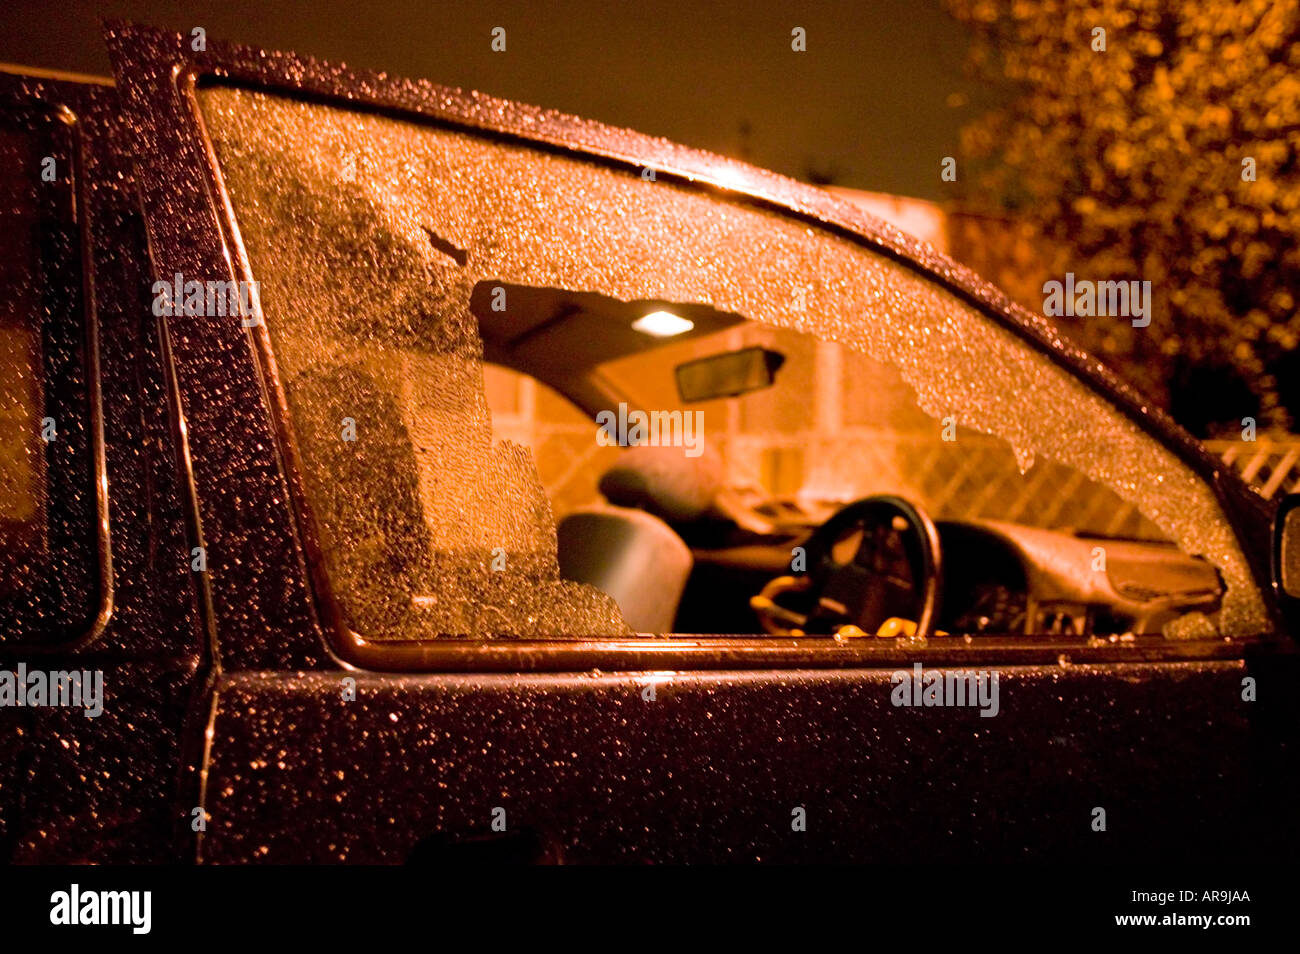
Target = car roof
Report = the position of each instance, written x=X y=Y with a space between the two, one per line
x=63 y=76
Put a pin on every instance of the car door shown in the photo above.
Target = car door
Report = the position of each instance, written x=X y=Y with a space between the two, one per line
x=93 y=544
x=403 y=674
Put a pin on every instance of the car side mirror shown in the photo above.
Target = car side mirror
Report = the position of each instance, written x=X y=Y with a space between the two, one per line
x=1286 y=546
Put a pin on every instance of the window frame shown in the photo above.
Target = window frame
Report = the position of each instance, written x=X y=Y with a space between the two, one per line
x=162 y=75
x=51 y=109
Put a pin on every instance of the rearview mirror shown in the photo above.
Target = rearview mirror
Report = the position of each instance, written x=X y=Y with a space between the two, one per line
x=728 y=375
x=1286 y=546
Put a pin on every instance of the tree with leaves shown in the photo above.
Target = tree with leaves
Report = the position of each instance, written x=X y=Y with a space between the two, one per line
x=1157 y=140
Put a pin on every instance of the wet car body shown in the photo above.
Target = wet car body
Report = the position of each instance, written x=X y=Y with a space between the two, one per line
x=238 y=729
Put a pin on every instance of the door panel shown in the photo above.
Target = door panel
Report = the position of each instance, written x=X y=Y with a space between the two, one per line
x=588 y=769
x=101 y=789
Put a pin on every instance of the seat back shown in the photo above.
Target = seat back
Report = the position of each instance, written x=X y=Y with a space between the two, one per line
x=633 y=556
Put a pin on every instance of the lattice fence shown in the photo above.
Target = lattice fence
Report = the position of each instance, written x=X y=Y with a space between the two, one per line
x=1271 y=466
x=975 y=477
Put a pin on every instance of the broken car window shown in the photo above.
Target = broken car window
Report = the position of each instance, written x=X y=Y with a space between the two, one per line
x=377 y=242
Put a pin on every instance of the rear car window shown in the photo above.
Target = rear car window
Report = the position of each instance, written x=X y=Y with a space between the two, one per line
x=50 y=557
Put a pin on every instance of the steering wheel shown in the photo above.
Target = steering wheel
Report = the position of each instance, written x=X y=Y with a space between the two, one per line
x=876 y=558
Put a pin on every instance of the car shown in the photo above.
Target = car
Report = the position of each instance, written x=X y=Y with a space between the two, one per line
x=425 y=477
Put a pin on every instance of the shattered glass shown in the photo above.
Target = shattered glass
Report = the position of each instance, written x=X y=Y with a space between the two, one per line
x=425 y=526
x=357 y=224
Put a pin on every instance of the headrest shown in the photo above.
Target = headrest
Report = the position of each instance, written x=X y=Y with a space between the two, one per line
x=664 y=482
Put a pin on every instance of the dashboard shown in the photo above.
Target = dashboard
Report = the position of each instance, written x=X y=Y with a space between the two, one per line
x=1005 y=578
x=999 y=578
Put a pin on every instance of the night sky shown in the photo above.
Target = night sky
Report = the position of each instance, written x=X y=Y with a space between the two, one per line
x=875 y=102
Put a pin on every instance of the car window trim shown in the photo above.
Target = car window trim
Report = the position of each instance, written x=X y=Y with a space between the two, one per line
x=64 y=103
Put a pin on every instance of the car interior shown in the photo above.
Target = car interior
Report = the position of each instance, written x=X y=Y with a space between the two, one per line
x=820 y=500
